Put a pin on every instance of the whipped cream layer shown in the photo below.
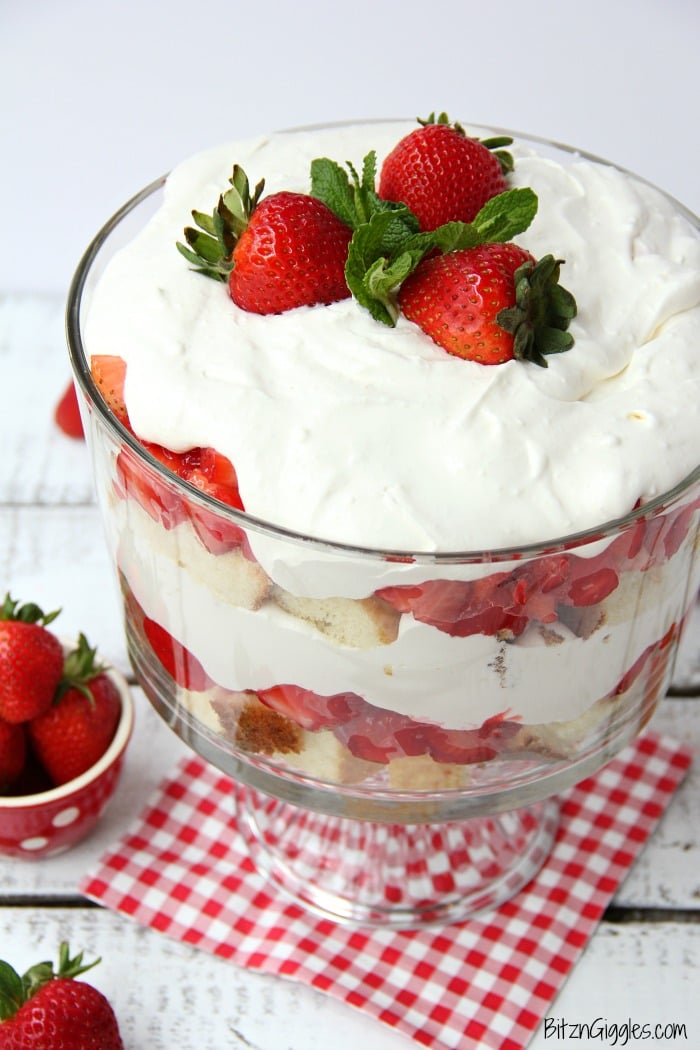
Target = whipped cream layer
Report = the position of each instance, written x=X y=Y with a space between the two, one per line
x=425 y=674
x=346 y=430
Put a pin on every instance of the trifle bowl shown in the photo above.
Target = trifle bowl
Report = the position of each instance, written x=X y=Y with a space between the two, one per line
x=404 y=648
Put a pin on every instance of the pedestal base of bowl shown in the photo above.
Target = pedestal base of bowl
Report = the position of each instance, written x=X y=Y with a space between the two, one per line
x=395 y=875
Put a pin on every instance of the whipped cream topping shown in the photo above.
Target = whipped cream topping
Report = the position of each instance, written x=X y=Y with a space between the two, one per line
x=346 y=430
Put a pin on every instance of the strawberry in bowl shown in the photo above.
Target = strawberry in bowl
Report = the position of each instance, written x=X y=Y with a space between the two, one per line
x=59 y=765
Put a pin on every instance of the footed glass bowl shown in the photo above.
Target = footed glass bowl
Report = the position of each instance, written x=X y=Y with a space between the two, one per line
x=398 y=724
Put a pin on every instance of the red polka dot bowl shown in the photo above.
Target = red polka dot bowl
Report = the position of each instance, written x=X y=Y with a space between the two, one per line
x=34 y=826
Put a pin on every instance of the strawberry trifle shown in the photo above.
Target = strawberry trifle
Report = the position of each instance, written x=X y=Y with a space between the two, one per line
x=391 y=507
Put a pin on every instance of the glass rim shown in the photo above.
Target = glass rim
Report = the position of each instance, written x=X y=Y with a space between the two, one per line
x=81 y=370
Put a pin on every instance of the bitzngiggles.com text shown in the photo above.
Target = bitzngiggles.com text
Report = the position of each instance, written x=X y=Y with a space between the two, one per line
x=613 y=1033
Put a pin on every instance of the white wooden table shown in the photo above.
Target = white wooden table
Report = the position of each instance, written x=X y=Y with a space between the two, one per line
x=642 y=964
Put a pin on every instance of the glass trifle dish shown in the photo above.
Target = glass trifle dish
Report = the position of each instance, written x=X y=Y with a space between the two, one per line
x=405 y=531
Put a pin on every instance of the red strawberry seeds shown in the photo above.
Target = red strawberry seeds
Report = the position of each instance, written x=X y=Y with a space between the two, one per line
x=490 y=304
x=78 y=727
x=442 y=174
x=284 y=251
x=31 y=661
x=47 y=1010
x=291 y=254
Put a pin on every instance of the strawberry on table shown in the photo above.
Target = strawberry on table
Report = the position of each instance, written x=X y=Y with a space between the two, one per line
x=50 y=1010
x=67 y=413
x=78 y=727
x=442 y=174
x=491 y=304
x=31 y=661
x=278 y=253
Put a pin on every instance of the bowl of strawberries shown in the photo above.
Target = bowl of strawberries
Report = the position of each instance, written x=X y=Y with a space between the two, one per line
x=65 y=722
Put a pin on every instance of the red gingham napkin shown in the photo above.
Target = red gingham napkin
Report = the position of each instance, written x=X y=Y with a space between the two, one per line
x=484 y=983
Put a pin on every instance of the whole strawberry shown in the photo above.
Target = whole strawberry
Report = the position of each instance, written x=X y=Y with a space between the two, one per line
x=67 y=413
x=47 y=1010
x=284 y=251
x=442 y=174
x=79 y=725
x=13 y=753
x=491 y=304
x=31 y=661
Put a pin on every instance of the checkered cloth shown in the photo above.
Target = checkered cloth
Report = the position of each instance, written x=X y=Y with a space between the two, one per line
x=484 y=983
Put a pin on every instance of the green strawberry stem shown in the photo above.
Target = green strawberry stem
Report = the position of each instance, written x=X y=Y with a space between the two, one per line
x=80 y=666
x=29 y=613
x=210 y=246
x=15 y=991
x=543 y=311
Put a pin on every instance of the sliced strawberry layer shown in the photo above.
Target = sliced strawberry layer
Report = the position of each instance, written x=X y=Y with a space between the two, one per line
x=505 y=603
x=378 y=735
x=204 y=468
x=147 y=488
x=109 y=374
x=214 y=474
x=182 y=665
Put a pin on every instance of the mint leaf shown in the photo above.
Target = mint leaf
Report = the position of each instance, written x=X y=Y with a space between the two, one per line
x=330 y=184
x=506 y=215
x=369 y=170
x=451 y=237
x=352 y=197
x=380 y=282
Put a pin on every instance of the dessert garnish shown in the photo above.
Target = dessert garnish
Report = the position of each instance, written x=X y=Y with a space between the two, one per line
x=491 y=304
x=444 y=175
x=387 y=243
x=441 y=194
x=283 y=251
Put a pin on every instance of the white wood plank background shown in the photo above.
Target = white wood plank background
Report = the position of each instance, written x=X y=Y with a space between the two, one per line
x=642 y=964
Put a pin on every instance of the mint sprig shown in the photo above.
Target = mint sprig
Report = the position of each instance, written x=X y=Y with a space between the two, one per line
x=385 y=250
x=351 y=196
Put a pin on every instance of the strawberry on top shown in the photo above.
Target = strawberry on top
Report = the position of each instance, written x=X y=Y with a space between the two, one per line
x=442 y=174
x=441 y=194
x=491 y=304
x=283 y=251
